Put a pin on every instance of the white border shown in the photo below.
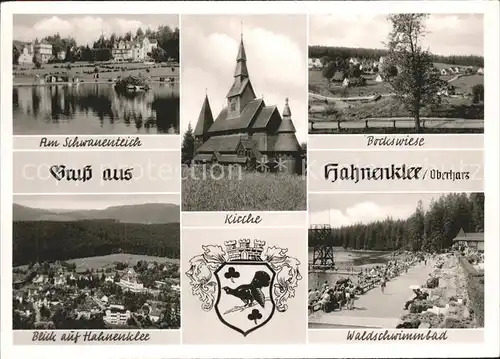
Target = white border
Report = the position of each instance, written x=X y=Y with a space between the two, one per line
x=490 y=9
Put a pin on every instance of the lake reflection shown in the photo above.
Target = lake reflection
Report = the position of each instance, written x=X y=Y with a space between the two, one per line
x=87 y=109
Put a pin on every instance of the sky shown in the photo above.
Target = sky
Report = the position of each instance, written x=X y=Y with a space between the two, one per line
x=84 y=202
x=448 y=34
x=276 y=49
x=86 y=28
x=347 y=209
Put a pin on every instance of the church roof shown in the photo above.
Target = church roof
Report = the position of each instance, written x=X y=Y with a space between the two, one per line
x=264 y=117
x=205 y=119
x=241 y=52
x=286 y=142
x=241 y=69
x=227 y=143
x=243 y=121
x=231 y=159
x=203 y=157
x=238 y=87
x=286 y=126
x=286 y=110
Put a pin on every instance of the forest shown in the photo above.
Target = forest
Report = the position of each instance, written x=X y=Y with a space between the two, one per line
x=431 y=230
x=35 y=241
x=375 y=54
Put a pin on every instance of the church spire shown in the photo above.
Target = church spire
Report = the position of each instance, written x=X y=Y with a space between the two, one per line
x=205 y=119
x=241 y=70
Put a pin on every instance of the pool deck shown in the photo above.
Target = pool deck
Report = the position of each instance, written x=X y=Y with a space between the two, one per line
x=376 y=309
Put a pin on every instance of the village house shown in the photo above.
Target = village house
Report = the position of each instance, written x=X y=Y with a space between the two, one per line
x=61 y=55
x=346 y=82
x=471 y=240
x=27 y=51
x=353 y=61
x=117 y=315
x=379 y=78
x=444 y=72
x=130 y=282
x=480 y=71
x=246 y=131
x=136 y=50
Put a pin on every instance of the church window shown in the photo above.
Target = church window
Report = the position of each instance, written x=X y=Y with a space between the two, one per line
x=233 y=105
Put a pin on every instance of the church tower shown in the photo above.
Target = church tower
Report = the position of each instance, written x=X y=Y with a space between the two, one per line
x=205 y=120
x=241 y=92
x=286 y=125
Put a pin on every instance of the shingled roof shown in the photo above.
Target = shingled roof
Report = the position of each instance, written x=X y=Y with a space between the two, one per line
x=228 y=143
x=286 y=142
x=243 y=121
x=205 y=119
x=238 y=87
x=264 y=117
x=286 y=126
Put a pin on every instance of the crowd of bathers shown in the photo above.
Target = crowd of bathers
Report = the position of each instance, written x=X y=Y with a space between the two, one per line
x=342 y=294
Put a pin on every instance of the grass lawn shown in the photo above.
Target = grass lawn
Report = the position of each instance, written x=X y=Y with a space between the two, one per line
x=250 y=192
x=85 y=71
x=99 y=262
x=464 y=84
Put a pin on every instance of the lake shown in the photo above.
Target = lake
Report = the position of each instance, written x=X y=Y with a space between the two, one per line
x=355 y=257
x=94 y=109
x=346 y=258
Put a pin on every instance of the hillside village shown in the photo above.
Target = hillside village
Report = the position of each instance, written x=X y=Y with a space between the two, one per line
x=351 y=90
x=57 y=295
x=362 y=71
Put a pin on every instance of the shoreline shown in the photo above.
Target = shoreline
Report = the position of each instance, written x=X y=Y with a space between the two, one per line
x=34 y=84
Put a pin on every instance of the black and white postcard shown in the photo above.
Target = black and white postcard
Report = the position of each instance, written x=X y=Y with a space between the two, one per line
x=95 y=74
x=394 y=261
x=244 y=145
x=398 y=73
x=96 y=262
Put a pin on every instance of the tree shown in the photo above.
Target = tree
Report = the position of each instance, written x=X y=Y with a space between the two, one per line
x=188 y=145
x=416 y=84
x=36 y=61
x=69 y=55
x=139 y=33
x=389 y=72
x=158 y=54
x=477 y=93
x=15 y=55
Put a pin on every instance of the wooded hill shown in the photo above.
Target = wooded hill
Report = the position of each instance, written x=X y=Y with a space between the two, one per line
x=429 y=230
x=35 y=241
x=375 y=54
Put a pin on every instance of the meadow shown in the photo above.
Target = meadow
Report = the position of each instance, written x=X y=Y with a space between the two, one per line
x=244 y=191
x=82 y=264
x=338 y=107
x=26 y=74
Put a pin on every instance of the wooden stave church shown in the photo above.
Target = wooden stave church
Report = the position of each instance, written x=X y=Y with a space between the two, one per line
x=246 y=131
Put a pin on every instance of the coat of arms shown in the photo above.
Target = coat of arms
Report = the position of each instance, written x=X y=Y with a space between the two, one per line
x=244 y=282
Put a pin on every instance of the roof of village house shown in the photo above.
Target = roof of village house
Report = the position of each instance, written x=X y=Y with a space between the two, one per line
x=469 y=236
x=205 y=119
x=338 y=76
